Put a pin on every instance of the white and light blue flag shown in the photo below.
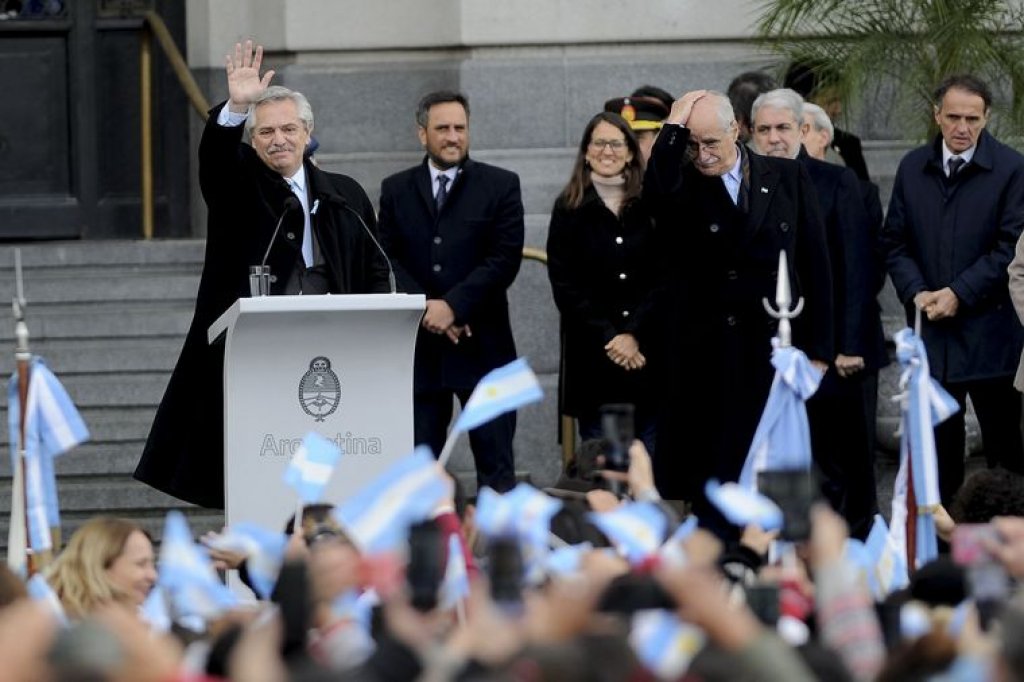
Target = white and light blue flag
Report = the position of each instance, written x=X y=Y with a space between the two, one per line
x=637 y=529
x=263 y=549
x=455 y=584
x=566 y=561
x=672 y=552
x=377 y=518
x=743 y=506
x=888 y=560
x=664 y=644
x=783 y=437
x=923 y=405
x=311 y=467
x=499 y=391
x=52 y=427
x=187 y=575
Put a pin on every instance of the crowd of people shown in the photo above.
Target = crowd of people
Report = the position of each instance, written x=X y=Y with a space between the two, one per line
x=663 y=248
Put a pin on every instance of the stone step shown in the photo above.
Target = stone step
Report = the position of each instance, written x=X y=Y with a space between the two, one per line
x=103 y=253
x=94 y=459
x=106 y=424
x=103 y=320
x=124 y=354
x=103 y=285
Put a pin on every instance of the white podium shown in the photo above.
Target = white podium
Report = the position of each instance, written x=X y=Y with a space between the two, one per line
x=338 y=365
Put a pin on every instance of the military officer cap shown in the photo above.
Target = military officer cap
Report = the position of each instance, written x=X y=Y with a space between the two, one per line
x=642 y=113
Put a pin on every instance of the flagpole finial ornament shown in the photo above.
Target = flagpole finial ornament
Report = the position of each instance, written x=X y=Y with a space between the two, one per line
x=783 y=310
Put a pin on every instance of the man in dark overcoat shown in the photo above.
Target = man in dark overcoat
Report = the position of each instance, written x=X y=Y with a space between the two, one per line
x=956 y=212
x=838 y=420
x=453 y=228
x=321 y=247
x=722 y=215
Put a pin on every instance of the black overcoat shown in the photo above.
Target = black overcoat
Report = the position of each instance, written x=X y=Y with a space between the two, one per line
x=960 y=234
x=184 y=454
x=852 y=245
x=718 y=263
x=468 y=255
x=602 y=272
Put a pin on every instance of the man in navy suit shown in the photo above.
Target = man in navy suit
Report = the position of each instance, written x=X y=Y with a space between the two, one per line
x=453 y=228
x=837 y=415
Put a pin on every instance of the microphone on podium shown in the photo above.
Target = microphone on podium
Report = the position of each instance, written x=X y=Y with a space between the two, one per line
x=259 y=275
x=391 y=271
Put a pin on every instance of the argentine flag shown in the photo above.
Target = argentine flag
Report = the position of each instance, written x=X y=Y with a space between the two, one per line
x=187 y=576
x=743 y=506
x=311 y=467
x=378 y=517
x=455 y=584
x=52 y=427
x=888 y=561
x=501 y=390
x=664 y=644
x=637 y=529
x=263 y=550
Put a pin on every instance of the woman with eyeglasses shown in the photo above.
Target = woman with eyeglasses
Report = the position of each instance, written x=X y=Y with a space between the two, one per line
x=601 y=264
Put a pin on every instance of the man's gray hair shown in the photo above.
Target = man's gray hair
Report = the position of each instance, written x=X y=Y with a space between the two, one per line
x=277 y=93
x=782 y=98
x=820 y=120
x=723 y=107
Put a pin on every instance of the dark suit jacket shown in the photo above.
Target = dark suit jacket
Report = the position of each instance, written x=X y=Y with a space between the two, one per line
x=468 y=255
x=852 y=258
x=184 y=452
x=719 y=263
x=960 y=234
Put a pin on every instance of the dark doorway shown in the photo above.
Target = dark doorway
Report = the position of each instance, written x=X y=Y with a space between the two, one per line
x=70 y=123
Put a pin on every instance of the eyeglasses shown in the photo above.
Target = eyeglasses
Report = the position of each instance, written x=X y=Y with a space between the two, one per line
x=615 y=145
x=711 y=146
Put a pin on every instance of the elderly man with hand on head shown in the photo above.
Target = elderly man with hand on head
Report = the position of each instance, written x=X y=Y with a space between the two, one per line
x=722 y=215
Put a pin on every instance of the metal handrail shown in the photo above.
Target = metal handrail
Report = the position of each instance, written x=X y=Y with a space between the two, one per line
x=153 y=26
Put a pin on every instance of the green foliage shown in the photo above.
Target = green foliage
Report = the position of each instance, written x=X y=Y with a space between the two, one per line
x=896 y=51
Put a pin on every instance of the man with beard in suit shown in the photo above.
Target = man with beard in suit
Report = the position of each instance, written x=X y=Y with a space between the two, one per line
x=453 y=228
x=722 y=214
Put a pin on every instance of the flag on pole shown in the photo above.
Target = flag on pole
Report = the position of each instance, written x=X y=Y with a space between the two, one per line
x=311 y=467
x=52 y=427
x=783 y=437
x=378 y=517
x=501 y=390
x=923 y=405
